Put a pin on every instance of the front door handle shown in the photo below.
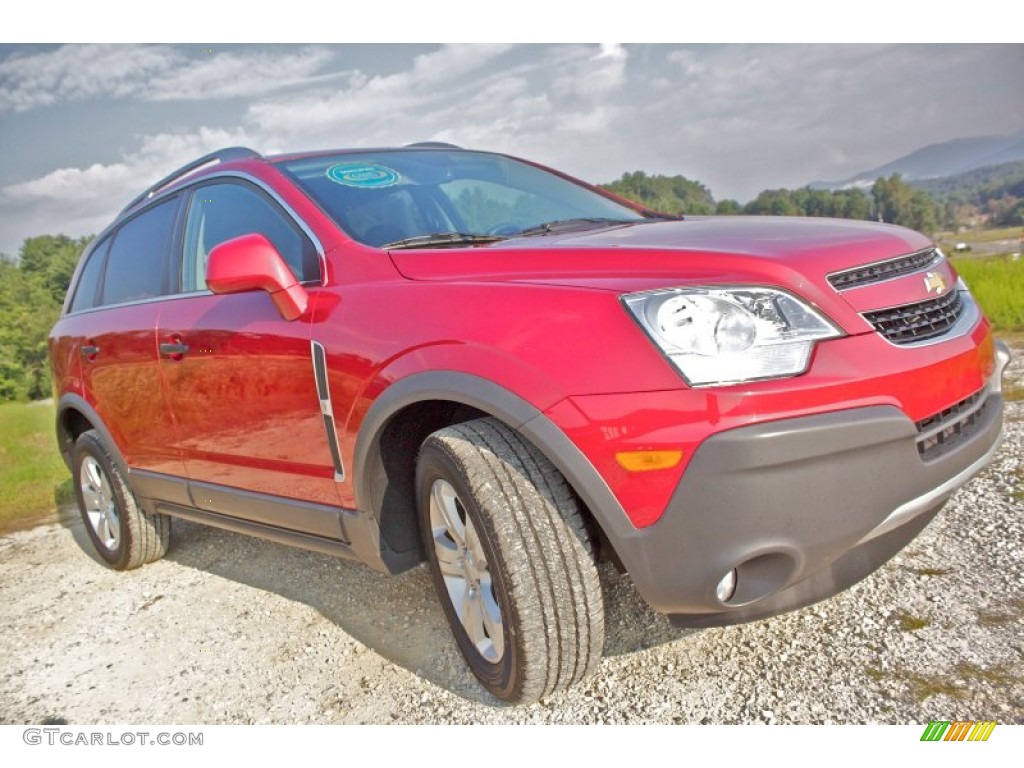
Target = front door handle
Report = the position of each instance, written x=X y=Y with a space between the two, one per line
x=89 y=351
x=173 y=349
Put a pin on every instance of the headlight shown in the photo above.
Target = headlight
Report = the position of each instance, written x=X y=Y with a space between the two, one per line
x=730 y=335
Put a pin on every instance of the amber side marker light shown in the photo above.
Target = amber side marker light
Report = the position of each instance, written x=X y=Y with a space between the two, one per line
x=645 y=461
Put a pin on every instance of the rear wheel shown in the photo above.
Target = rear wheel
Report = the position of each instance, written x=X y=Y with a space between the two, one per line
x=511 y=560
x=123 y=534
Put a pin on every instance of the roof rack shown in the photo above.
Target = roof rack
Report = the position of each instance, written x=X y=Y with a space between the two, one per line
x=221 y=155
x=432 y=145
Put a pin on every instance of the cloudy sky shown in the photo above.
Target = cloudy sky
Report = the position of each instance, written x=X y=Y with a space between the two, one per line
x=84 y=128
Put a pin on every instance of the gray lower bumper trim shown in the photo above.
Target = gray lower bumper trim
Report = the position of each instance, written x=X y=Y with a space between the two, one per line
x=801 y=508
x=927 y=501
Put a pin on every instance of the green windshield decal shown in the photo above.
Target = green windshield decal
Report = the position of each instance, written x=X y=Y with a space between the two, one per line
x=364 y=175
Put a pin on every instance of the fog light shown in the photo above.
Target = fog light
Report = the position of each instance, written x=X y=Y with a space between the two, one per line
x=726 y=587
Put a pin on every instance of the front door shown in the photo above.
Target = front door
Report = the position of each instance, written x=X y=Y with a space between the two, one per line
x=239 y=378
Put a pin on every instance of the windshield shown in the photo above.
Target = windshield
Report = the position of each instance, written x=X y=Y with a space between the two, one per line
x=437 y=198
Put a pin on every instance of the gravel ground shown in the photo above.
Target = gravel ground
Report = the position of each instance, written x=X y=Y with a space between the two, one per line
x=229 y=629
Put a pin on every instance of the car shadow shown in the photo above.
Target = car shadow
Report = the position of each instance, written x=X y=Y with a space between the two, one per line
x=68 y=515
x=398 y=617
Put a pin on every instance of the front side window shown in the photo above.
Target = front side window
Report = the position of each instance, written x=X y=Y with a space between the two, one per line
x=223 y=211
x=137 y=262
x=382 y=198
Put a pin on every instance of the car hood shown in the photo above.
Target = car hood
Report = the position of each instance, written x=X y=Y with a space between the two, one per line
x=795 y=254
x=718 y=248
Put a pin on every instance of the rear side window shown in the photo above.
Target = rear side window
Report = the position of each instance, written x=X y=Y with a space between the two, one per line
x=87 y=290
x=137 y=264
x=224 y=211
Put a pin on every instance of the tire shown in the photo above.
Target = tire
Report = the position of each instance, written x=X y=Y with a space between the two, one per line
x=124 y=536
x=511 y=560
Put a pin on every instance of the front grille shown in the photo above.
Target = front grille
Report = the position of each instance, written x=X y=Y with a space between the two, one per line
x=945 y=430
x=882 y=270
x=919 y=321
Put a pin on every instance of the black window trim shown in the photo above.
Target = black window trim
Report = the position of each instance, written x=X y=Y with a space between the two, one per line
x=111 y=230
x=107 y=237
x=246 y=182
x=103 y=242
x=321 y=253
x=168 y=254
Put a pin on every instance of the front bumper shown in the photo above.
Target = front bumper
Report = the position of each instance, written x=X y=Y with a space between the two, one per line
x=801 y=508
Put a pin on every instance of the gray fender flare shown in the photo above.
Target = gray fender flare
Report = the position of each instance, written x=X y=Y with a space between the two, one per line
x=517 y=413
x=66 y=443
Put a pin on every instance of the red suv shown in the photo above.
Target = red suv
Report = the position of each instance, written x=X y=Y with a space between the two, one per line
x=420 y=353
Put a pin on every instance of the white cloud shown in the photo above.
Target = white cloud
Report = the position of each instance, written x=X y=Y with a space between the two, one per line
x=486 y=96
x=589 y=76
x=72 y=185
x=612 y=51
x=737 y=118
x=79 y=72
x=78 y=201
x=156 y=157
x=379 y=108
x=229 y=74
x=153 y=73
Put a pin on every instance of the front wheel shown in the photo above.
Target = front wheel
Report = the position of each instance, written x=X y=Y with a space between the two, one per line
x=511 y=560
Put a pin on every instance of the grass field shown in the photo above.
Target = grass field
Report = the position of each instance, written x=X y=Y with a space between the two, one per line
x=983 y=235
x=998 y=285
x=33 y=478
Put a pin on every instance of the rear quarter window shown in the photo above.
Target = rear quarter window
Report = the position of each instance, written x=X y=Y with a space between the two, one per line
x=87 y=290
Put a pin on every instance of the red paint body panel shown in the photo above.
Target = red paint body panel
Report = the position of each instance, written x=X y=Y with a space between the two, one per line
x=122 y=382
x=602 y=425
x=539 y=316
x=244 y=397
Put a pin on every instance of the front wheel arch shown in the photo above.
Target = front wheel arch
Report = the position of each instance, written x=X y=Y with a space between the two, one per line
x=437 y=399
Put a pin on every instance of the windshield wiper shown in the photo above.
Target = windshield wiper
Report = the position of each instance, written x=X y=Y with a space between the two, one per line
x=440 y=239
x=558 y=225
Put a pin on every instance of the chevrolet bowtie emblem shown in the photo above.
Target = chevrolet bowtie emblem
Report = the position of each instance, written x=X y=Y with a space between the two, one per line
x=933 y=281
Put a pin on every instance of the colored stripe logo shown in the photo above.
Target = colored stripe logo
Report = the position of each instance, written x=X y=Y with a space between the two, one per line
x=958 y=730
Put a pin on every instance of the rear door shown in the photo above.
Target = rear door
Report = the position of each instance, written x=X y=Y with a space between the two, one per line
x=118 y=301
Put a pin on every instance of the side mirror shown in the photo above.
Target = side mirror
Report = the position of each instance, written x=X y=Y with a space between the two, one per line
x=252 y=263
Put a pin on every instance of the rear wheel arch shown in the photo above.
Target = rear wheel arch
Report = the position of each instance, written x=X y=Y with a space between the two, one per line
x=75 y=417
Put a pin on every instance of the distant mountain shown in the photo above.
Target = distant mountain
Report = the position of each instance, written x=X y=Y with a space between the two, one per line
x=977 y=186
x=938 y=160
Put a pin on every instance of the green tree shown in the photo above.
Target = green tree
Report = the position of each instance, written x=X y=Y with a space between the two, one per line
x=667 y=194
x=774 y=202
x=851 y=204
x=839 y=204
x=53 y=258
x=31 y=294
x=896 y=202
x=1014 y=217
